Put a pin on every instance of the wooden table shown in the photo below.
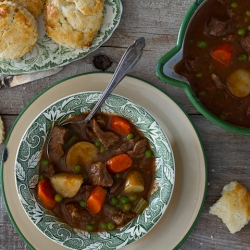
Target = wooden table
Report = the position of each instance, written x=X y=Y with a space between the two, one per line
x=227 y=153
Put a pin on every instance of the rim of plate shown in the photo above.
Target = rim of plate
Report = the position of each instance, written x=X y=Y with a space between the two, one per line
x=182 y=240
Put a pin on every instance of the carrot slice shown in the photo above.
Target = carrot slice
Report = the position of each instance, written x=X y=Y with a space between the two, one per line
x=46 y=193
x=96 y=199
x=120 y=125
x=119 y=163
x=223 y=54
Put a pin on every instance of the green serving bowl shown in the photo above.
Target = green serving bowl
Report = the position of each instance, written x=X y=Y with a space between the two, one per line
x=165 y=72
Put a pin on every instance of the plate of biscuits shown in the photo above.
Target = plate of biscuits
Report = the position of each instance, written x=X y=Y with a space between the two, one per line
x=43 y=34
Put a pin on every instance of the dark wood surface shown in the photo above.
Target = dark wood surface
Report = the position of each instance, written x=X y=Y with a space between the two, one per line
x=227 y=153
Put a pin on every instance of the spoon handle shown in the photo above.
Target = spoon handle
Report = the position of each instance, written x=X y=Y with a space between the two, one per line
x=127 y=62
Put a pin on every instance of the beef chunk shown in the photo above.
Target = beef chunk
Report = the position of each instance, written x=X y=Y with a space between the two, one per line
x=217 y=27
x=192 y=63
x=106 y=138
x=85 y=191
x=90 y=134
x=57 y=141
x=117 y=184
x=139 y=149
x=51 y=170
x=219 y=84
x=99 y=176
x=100 y=120
x=245 y=43
x=121 y=218
x=77 y=213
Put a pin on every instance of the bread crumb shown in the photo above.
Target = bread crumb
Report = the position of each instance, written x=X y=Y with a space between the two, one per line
x=233 y=207
x=2 y=132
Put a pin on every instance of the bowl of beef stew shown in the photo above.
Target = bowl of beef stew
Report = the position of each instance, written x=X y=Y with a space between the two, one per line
x=211 y=62
x=101 y=186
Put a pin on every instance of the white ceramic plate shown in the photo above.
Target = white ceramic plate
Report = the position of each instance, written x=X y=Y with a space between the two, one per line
x=190 y=165
x=48 y=54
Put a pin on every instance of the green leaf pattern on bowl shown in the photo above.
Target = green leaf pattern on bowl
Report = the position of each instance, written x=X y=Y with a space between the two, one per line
x=48 y=54
x=29 y=153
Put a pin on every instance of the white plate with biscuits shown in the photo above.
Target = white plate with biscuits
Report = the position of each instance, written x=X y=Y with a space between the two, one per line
x=63 y=30
x=190 y=162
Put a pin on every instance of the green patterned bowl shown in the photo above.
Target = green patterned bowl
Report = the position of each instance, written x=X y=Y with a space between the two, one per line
x=29 y=153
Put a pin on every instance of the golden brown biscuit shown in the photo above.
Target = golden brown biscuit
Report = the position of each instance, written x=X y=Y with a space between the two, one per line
x=35 y=7
x=67 y=26
x=18 y=31
x=233 y=207
x=88 y=7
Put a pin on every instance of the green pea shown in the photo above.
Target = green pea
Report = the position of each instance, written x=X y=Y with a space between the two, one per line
x=78 y=168
x=84 y=174
x=198 y=75
x=133 y=197
x=223 y=117
x=202 y=44
x=124 y=199
x=248 y=12
x=111 y=226
x=242 y=57
x=102 y=149
x=97 y=143
x=118 y=176
x=202 y=93
x=114 y=200
x=148 y=153
x=41 y=176
x=130 y=136
x=89 y=227
x=104 y=225
x=58 y=198
x=82 y=203
x=241 y=32
x=44 y=162
x=234 y=5
x=127 y=206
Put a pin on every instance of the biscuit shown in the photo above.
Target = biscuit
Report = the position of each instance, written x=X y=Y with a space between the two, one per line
x=35 y=7
x=18 y=31
x=88 y=7
x=2 y=132
x=66 y=25
x=233 y=207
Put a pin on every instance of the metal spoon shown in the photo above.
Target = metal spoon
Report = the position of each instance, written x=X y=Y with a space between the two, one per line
x=127 y=62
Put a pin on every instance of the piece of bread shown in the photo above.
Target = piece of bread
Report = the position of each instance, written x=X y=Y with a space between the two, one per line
x=2 y=132
x=233 y=207
x=88 y=7
x=18 y=30
x=35 y=7
x=66 y=25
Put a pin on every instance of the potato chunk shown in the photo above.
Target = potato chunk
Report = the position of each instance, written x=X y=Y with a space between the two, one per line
x=81 y=153
x=66 y=184
x=238 y=83
x=134 y=182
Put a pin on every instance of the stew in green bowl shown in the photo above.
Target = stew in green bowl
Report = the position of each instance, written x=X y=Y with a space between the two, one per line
x=211 y=62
